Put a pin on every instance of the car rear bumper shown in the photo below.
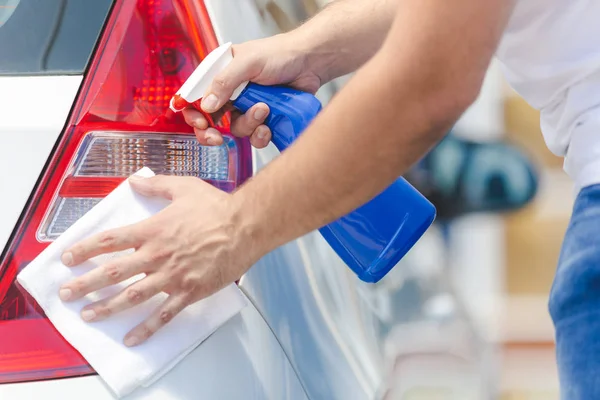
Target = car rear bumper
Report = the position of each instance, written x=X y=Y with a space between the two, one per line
x=241 y=360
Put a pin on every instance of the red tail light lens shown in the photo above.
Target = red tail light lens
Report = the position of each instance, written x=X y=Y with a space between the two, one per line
x=147 y=51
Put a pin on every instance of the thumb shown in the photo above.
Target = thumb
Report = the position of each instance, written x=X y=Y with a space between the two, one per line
x=156 y=186
x=225 y=83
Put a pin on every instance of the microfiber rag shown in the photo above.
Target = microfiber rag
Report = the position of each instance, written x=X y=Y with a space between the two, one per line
x=122 y=368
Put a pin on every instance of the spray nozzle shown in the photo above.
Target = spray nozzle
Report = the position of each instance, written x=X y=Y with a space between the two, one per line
x=196 y=86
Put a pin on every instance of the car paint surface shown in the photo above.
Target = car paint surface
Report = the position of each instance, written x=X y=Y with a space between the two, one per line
x=33 y=111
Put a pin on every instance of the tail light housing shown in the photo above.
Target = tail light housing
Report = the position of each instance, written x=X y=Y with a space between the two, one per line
x=147 y=50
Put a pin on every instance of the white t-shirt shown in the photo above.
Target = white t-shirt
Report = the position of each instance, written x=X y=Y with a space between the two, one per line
x=551 y=56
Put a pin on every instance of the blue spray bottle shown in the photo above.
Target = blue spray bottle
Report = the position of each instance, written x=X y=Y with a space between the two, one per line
x=372 y=239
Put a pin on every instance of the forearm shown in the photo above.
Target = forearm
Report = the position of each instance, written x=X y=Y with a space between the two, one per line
x=395 y=109
x=344 y=35
x=340 y=162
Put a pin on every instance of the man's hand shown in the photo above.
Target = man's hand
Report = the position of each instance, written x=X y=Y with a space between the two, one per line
x=190 y=250
x=271 y=61
x=335 y=42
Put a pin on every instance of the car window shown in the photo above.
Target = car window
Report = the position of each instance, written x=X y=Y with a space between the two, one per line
x=7 y=7
x=49 y=36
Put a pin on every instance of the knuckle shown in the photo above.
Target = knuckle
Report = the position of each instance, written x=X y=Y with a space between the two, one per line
x=146 y=331
x=187 y=298
x=107 y=240
x=190 y=113
x=261 y=132
x=249 y=124
x=259 y=144
x=135 y=296
x=103 y=311
x=112 y=272
x=82 y=285
x=154 y=181
x=158 y=256
x=78 y=254
x=77 y=287
x=243 y=126
x=222 y=82
x=165 y=316
x=188 y=283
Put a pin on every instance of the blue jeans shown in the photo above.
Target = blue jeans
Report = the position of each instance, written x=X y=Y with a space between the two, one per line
x=575 y=301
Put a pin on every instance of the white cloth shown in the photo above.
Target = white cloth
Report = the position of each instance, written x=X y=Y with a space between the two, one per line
x=101 y=343
x=551 y=57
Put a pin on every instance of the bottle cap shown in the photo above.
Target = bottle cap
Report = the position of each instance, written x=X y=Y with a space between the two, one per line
x=197 y=84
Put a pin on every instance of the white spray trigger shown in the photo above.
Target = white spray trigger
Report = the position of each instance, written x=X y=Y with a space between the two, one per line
x=197 y=84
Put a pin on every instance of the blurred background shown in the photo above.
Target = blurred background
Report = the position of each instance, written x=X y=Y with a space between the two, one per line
x=468 y=305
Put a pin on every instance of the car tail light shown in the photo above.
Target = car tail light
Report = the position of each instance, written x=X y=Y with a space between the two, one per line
x=148 y=49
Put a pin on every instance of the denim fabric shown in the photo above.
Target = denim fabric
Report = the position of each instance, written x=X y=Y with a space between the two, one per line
x=575 y=301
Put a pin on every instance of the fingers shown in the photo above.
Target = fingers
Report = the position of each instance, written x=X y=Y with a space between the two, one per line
x=108 y=274
x=251 y=125
x=209 y=137
x=163 y=186
x=206 y=135
x=225 y=83
x=194 y=118
x=261 y=137
x=111 y=241
x=165 y=313
x=136 y=293
x=245 y=124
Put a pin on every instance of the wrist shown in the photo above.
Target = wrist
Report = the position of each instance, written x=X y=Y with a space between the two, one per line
x=249 y=227
x=311 y=52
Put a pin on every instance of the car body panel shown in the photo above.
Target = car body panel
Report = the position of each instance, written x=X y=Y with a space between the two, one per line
x=33 y=112
x=238 y=21
x=283 y=288
x=241 y=360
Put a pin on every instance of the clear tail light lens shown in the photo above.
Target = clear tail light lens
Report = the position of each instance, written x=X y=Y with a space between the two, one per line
x=104 y=159
x=148 y=49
